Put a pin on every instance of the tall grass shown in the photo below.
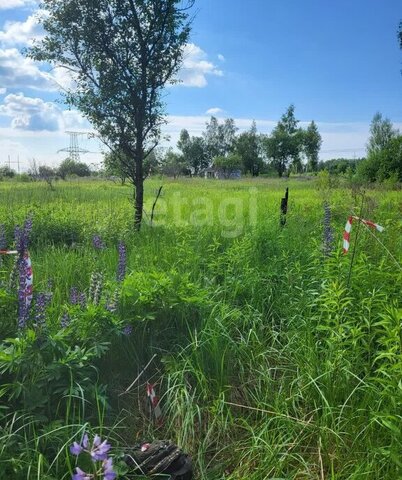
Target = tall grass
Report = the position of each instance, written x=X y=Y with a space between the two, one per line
x=269 y=364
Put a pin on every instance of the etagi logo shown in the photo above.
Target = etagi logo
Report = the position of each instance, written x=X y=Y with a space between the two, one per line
x=229 y=214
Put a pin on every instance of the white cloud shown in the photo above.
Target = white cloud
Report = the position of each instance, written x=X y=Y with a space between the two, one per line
x=3 y=91
x=21 y=33
x=33 y=114
x=214 y=111
x=73 y=120
x=18 y=71
x=196 y=67
x=7 y=4
x=221 y=57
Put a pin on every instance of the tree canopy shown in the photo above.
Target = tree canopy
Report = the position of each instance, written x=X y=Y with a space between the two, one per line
x=121 y=53
x=384 y=152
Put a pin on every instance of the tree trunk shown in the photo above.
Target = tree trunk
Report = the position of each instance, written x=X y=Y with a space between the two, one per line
x=139 y=189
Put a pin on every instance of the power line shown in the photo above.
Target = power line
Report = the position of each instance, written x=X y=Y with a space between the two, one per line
x=73 y=149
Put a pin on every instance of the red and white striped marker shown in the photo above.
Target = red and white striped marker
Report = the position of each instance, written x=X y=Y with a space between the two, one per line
x=348 y=229
x=154 y=401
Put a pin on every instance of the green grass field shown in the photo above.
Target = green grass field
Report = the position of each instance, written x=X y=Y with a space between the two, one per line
x=273 y=361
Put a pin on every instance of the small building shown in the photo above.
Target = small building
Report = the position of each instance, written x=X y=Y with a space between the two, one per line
x=218 y=173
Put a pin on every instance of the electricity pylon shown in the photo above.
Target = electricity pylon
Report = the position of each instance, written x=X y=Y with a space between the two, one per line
x=74 y=150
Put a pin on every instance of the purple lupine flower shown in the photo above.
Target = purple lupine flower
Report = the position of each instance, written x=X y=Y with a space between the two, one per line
x=28 y=225
x=127 y=330
x=121 y=268
x=328 y=236
x=40 y=307
x=98 y=452
x=82 y=300
x=22 y=304
x=76 y=448
x=73 y=296
x=98 y=290
x=108 y=472
x=97 y=243
x=112 y=303
x=99 y=449
x=81 y=475
x=111 y=306
x=65 y=320
x=21 y=235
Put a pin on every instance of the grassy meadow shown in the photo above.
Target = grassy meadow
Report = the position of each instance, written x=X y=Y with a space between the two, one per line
x=272 y=360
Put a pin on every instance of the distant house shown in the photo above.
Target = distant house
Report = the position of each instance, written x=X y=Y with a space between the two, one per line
x=218 y=173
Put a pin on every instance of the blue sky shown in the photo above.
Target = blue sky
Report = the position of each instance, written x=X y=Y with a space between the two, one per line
x=338 y=62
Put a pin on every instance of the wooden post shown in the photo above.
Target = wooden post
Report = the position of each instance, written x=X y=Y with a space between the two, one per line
x=154 y=205
x=284 y=207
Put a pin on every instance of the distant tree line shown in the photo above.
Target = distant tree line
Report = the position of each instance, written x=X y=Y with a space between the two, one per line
x=384 y=152
x=289 y=148
x=67 y=168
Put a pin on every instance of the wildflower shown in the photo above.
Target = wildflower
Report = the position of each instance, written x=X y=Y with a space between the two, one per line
x=22 y=293
x=112 y=303
x=42 y=301
x=108 y=471
x=82 y=300
x=65 y=320
x=121 y=269
x=97 y=242
x=81 y=475
x=328 y=236
x=73 y=296
x=21 y=236
x=95 y=287
x=98 y=452
x=76 y=448
x=127 y=330
x=99 y=449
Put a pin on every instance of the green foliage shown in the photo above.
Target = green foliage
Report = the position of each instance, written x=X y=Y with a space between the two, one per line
x=229 y=164
x=194 y=152
x=249 y=149
x=173 y=164
x=267 y=363
x=7 y=172
x=284 y=146
x=119 y=94
x=219 y=138
x=70 y=167
x=41 y=373
x=339 y=166
x=312 y=145
x=384 y=152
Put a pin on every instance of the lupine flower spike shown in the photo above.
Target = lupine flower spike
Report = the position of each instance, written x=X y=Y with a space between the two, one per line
x=98 y=452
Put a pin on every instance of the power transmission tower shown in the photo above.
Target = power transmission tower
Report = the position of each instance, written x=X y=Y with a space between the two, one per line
x=74 y=150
